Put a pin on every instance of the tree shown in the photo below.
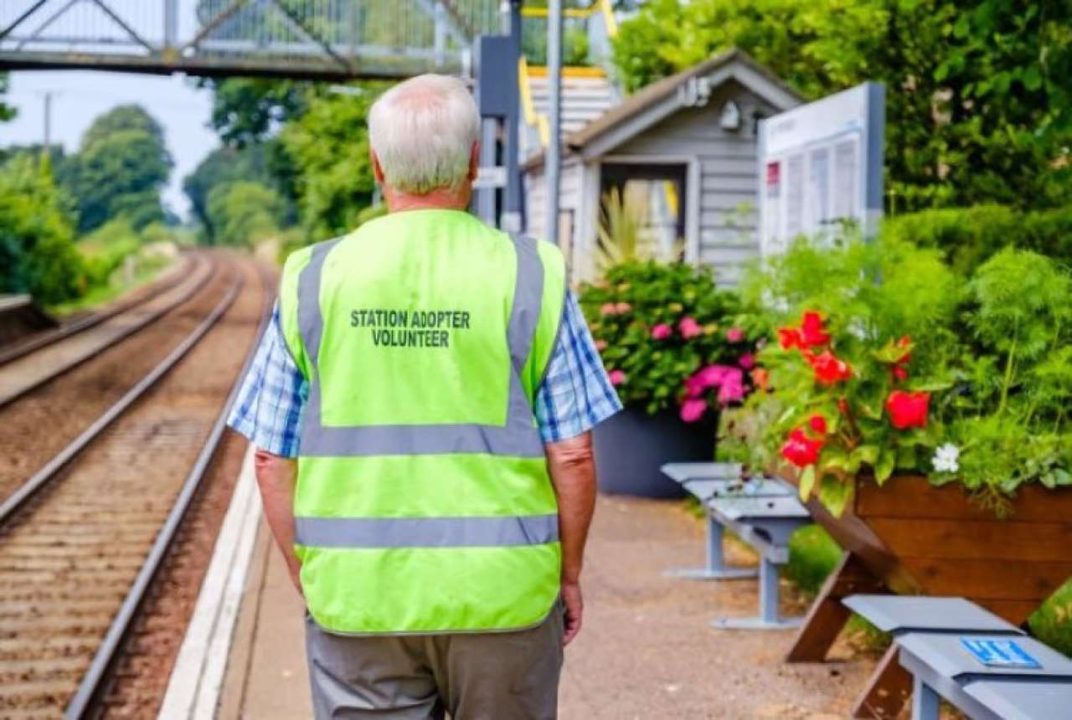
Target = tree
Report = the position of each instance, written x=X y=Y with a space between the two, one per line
x=978 y=101
x=120 y=118
x=37 y=251
x=249 y=110
x=6 y=111
x=244 y=212
x=328 y=149
x=223 y=166
x=120 y=169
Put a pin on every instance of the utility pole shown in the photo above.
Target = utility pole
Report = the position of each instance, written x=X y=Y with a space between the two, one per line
x=554 y=91
x=48 y=119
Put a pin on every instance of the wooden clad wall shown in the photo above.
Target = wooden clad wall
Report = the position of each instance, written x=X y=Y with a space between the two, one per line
x=728 y=167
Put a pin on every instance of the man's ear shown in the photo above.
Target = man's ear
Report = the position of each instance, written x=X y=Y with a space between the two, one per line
x=474 y=161
x=377 y=170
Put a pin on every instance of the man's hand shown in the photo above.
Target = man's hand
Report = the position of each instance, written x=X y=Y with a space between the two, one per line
x=573 y=474
x=571 y=597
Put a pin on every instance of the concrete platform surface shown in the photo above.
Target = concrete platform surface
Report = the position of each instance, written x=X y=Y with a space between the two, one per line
x=646 y=649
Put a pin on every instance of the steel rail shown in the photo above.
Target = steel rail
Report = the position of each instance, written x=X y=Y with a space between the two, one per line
x=20 y=349
x=123 y=335
x=42 y=477
x=93 y=684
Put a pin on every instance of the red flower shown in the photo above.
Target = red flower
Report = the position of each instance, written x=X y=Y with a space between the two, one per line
x=790 y=337
x=908 y=409
x=818 y=424
x=811 y=329
x=843 y=406
x=800 y=449
x=899 y=373
x=829 y=369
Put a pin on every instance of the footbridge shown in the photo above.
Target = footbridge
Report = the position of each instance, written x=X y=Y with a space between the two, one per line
x=316 y=39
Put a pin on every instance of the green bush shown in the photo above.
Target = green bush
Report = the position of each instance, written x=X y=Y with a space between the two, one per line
x=105 y=249
x=669 y=337
x=37 y=251
x=968 y=237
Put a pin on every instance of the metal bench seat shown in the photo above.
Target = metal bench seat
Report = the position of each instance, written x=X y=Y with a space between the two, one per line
x=983 y=665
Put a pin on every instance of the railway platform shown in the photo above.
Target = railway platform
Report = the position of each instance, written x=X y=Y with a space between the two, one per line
x=646 y=650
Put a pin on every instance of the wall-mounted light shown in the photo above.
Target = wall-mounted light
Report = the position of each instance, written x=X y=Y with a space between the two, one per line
x=730 y=119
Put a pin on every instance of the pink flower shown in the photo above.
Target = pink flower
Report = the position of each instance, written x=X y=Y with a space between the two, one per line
x=730 y=392
x=661 y=331
x=608 y=309
x=689 y=328
x=695 y=386
x=735 y=334
x=693 y=410
x=623 y=307
x=747 y=361
x=617 y=377
x=715 y=374
x=601 y=345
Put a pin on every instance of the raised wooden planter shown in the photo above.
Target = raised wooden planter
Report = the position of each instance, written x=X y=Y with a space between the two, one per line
x=910 y=537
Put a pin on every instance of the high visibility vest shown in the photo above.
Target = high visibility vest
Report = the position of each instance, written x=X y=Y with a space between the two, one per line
x=423 y=502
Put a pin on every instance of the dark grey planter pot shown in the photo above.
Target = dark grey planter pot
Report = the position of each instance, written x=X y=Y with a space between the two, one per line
x=631 y=447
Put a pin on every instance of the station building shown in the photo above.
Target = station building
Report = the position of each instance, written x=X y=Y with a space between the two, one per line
x=683 y=148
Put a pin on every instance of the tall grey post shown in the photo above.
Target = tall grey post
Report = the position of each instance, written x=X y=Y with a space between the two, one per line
x=554 y=87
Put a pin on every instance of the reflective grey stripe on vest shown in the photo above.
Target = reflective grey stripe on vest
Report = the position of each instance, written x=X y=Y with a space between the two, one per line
x=437 y=532
x=518 y=438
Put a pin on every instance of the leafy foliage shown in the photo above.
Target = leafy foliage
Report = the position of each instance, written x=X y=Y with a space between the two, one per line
x=224 y=166
x=962 y=378
x=6 y=111
x=658 y=325
x=244 y=212
x=978 y=104
x=120 y=169
x=328 y=150
x=247 y=111
x=37 y=251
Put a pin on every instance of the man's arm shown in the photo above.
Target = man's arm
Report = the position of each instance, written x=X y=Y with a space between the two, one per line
x=573 y=474
x=276 y=477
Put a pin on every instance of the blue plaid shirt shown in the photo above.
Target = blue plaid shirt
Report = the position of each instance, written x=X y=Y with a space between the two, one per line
x=576 y=393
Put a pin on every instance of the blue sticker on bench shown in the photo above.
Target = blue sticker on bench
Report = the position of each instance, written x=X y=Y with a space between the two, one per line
x=999 y=653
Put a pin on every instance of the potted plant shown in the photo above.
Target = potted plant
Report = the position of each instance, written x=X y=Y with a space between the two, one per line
x=925 y=415
x=668 y=339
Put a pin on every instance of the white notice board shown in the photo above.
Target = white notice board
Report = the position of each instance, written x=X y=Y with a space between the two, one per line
x=821 y=164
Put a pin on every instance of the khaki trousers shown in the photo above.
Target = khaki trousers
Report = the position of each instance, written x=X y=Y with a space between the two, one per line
x=476 y=676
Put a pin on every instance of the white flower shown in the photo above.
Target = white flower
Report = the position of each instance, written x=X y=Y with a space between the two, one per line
x=945 y=458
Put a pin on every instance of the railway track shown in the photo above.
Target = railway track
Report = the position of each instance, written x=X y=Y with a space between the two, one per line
x=142 y=295
x=57 y=353
x=82 y=541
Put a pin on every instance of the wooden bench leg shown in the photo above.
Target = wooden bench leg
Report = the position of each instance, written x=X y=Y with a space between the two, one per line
x=827 y=616
x=887 y=690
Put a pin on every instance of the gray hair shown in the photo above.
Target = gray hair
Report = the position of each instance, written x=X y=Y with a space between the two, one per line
x=422 y=131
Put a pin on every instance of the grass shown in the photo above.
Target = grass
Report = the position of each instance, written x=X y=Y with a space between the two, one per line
x=146 y=272
x=1052 y=622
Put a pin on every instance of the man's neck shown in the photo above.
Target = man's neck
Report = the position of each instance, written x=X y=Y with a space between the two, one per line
x=436 y=200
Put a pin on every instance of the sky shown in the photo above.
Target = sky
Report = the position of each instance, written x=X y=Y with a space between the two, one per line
x=78 y=96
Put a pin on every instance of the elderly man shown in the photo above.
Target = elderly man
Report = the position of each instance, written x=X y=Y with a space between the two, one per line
x=421 y=407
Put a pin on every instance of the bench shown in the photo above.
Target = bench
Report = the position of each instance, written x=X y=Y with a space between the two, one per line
x=763 y=512
x=983 y=665
x=704 y=481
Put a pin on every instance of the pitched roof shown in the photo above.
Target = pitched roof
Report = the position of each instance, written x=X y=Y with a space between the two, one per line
x=659 y=91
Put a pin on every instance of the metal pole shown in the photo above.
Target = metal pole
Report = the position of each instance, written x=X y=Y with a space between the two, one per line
x=171 y=24
x=554 y=90
x=48 y=120
x=513 y=219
